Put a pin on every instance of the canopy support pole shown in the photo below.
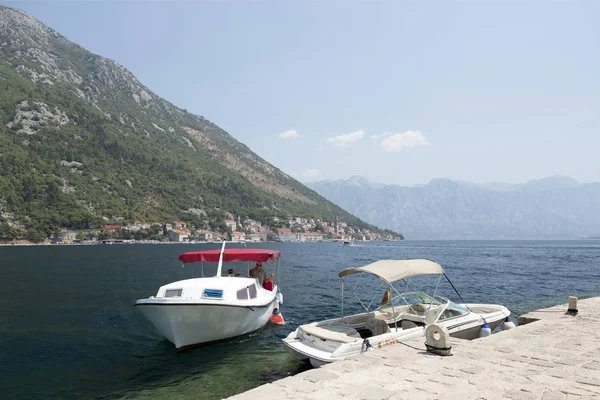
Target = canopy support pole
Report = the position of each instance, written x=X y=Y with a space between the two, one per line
x=220 y=266
x=434 y=293
x=394 y=312
x=342 y=298
x=438 y=284
x=373 y=298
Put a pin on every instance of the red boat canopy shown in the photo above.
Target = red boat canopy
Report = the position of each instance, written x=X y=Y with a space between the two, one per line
x=230 y=255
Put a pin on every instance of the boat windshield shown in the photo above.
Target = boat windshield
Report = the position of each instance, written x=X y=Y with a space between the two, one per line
x=409 y=298
x=453 y=310
x=420 y=302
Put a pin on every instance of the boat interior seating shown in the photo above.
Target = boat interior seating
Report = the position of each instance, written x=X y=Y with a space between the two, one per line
x=357 y=321
x=406 y=324
x=418 y=308
x=432 y=314
x=339 y=333
x=377 y=326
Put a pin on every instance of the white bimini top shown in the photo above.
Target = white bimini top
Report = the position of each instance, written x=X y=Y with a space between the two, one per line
x=393 y=270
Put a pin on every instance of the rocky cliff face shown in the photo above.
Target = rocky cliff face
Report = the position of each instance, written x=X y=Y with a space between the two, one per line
x=549 y=208
x=40 y=54
x=82 y=127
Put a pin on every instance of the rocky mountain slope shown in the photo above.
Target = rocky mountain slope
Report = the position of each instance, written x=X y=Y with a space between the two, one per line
x=82 y=141
x=556 y=207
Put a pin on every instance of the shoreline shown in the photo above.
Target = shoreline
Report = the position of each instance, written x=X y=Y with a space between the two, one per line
x=121 y=242
x=48 y=243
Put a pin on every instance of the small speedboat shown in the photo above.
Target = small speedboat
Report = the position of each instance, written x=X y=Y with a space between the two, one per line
x=200 y=311
x=399 y=317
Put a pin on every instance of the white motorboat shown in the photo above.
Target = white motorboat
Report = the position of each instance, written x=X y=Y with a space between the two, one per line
x=200 y=311
x=402 y=317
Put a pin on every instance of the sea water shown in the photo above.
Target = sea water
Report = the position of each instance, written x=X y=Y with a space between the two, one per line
x=68 y=328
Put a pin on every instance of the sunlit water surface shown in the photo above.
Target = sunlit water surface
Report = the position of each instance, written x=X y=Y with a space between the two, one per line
x=69 y=329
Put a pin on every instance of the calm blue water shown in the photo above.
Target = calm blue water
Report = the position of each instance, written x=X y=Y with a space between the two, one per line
x=68 y=328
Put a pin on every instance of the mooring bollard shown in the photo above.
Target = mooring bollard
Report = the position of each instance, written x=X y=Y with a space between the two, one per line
x=437 y=340
x=572 y=305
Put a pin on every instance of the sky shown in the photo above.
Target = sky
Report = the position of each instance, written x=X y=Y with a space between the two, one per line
x=397 y=92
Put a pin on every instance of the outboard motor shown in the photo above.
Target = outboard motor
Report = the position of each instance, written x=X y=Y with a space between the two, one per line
x=507 y=324
x=485 y=331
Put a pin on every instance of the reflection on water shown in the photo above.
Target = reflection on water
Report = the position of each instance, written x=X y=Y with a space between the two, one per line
x=69 y=328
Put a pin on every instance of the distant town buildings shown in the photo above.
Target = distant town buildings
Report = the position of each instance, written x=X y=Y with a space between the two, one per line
x=238 y=229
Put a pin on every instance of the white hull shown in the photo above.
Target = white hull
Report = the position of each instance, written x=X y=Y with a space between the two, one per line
x=309 y=343
x=191 y=325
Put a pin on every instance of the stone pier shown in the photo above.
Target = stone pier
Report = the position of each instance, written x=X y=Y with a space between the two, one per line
x=551 y=355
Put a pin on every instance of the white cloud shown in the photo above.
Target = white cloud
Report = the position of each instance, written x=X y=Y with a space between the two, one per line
x=311 y=173
x=407 y=140
x=380 y=135
x=343 y=140
x=289 y=134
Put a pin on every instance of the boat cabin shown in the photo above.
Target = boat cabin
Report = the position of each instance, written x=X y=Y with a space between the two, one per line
x=226 y=288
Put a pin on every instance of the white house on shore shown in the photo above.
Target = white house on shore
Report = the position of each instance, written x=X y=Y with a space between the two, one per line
x=231 y=224
x=257 y=237
x=309 y=237
x=238 y=236
x=203 y=234
x=177 y=235
x=285 y=235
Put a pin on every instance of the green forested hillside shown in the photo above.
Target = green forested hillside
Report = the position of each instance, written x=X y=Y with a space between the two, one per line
x=82 y=142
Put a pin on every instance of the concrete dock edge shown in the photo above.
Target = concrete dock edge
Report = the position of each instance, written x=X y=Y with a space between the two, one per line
x=551 y=355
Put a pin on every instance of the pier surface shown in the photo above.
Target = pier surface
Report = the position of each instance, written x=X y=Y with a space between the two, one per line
x=553 y=356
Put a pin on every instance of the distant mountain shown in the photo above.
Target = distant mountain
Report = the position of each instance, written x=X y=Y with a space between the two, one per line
x=555 y=207
x=83 y=142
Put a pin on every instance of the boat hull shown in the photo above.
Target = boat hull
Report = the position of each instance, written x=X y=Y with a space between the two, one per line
x=319 y=351
x=193 y=325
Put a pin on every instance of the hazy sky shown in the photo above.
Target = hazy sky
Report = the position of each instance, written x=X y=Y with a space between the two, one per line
x=399 y=92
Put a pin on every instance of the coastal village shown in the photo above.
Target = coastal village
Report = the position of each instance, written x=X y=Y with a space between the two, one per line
x=295 y=229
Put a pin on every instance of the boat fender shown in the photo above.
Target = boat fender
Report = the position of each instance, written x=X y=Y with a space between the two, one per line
x=279 y=297
x=507 y=324
x=437 y=340
x=485 y=331
x=277 y=318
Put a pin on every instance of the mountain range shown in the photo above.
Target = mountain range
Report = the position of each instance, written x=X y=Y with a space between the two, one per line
x=83 y=142
x=550 y=208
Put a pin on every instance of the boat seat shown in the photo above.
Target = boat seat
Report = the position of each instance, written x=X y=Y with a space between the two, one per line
x=338 y=333
x=419 y=308
x=377 y=326
x=406 y=324
x=357 y=320
x=412 y=317
x=432 y=314
x=383 y=315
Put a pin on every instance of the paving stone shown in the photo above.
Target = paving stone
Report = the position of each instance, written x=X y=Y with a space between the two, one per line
x=321 y=394
x=471 y=370
x=318 y=375
x=592 y=365
x=541 y=363
x=553 y=395
x=299 y=385
x=569 y=361
x=588 y=381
